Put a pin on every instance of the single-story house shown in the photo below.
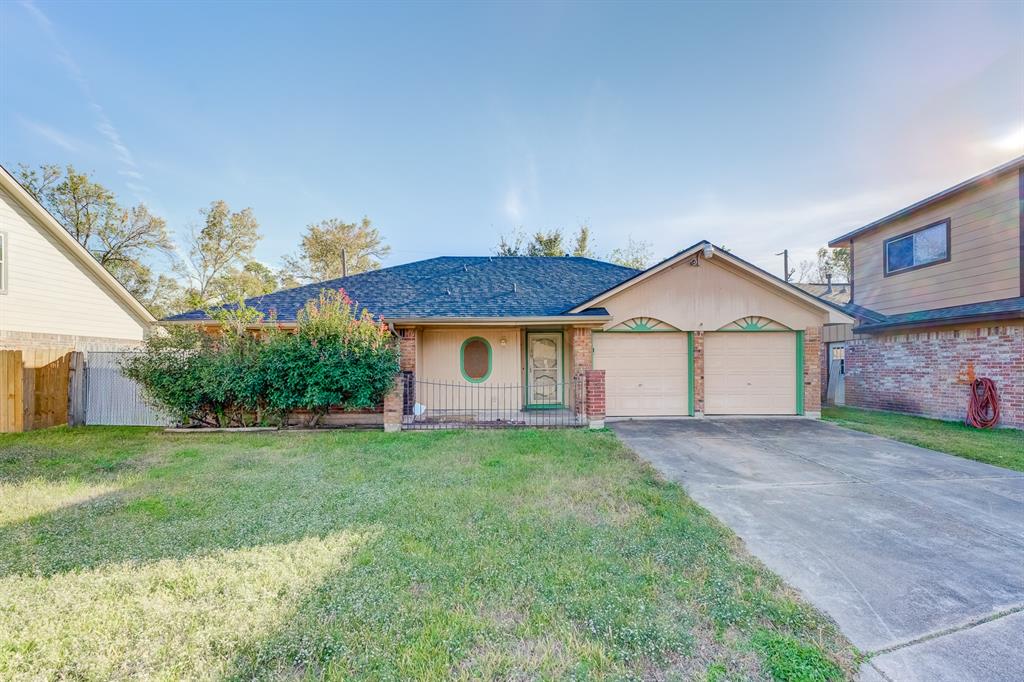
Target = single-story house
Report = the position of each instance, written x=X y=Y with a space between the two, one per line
x=702 y=332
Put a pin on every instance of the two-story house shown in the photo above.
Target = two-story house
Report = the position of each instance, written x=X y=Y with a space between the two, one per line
x=938 y=292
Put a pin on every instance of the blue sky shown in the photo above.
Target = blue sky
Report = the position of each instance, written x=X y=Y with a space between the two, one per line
x=758 y=126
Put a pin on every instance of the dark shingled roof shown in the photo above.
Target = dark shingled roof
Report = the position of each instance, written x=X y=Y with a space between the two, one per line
x=871 y=321
x=455 y=286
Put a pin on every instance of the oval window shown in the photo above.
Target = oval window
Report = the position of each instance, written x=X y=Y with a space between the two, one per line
x=476 y=359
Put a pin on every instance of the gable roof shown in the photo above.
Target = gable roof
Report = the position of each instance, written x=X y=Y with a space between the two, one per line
x=836 y=313
x=835 y=292
x=455 y=287
x=1009 y=166
x=73 y=248
x=1003 y=309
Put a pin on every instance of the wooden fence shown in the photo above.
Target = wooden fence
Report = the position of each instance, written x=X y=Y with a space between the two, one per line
x=37 y=388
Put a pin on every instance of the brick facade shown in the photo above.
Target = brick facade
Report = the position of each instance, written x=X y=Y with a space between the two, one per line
x=595 y=397
x=393 y=403
x=407 y=339
x=582 y=349
x=929 y=372
x=14 y=340
x=812 y=371
x=698 y=373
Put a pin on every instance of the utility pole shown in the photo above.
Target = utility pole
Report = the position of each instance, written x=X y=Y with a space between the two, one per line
x=344 y=264
x=785 y=263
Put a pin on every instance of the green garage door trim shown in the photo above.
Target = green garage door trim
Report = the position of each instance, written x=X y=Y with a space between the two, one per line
x=689 y=371
x=799 y=372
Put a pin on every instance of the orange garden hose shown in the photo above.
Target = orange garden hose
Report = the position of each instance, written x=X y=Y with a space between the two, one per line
x=983 y=408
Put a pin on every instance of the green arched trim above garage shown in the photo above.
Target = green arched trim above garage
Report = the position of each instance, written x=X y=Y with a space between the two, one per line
x=755 y=323
x=642 y=324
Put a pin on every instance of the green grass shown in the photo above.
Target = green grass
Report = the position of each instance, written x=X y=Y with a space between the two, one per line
x=1001 y=447
x=131 y=553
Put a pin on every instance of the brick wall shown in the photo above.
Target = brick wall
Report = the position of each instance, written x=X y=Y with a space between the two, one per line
x=393 y=403
x=595 y=395
x=929 y=372
x=582 y=349
x=15 y=340
x=407 y=349
x=812 y=369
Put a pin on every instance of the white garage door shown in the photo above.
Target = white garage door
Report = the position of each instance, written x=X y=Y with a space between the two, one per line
x=750 y=373
x=645 y=373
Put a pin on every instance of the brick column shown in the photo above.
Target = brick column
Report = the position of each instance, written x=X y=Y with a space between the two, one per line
x=582 y=349
x=393 y=406
x=595 y=398
x=698 y=374
x=812 y=372
x=407 y=349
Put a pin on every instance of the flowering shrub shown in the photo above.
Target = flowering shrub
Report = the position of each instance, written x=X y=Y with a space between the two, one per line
x=241 y=376
x=335 y=358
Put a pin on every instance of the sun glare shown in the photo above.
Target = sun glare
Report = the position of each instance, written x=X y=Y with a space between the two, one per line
x=1014 y=142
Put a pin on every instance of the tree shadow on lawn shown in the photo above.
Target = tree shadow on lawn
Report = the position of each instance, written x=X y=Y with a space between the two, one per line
x=487 y=554
x=175 y=498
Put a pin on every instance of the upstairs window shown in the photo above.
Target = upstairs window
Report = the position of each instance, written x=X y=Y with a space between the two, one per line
x=926 y=246
x=3 y=262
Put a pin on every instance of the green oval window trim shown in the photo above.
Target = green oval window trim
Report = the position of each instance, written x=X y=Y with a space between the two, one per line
x=462 y=359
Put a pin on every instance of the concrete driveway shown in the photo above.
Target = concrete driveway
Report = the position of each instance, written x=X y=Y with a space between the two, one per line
x=917 y=555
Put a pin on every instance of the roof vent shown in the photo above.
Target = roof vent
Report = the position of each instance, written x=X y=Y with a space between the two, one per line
x=828 y=280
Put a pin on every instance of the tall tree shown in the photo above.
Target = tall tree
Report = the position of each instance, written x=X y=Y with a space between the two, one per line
x=541 y=243
x=121 y=239
x=222 y=244
x=581 y=242
x=636 y=254
x=319 y=256
x=546 y=244
x=253 y=279
x=834 y=262
x=512 y=245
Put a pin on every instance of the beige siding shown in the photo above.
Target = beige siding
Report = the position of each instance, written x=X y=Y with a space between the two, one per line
x=48 y=292
x=440 y=354
x=708 y=297
x=440 y=369
x=645 y=373
x=984 y=249
x=750 y=373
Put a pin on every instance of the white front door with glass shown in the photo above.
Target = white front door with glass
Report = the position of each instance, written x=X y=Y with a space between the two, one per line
x=544 y=369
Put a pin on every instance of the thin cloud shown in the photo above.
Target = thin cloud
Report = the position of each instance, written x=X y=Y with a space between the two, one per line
x=51 y=135
x=104 y=126
x=803 y=228
x=513 y=205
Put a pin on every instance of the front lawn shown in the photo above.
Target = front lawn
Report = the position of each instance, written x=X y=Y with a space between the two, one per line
x=518 y=554
x=1001 y=447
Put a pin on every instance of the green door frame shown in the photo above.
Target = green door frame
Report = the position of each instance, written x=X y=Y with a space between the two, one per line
x=526 y=373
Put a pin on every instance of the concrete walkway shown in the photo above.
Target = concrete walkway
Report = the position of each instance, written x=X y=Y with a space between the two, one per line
x=917 y=555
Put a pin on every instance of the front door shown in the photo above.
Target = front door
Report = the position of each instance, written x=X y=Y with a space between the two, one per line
x=544 y=369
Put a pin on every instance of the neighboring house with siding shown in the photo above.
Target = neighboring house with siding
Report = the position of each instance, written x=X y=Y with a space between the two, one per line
x=54 y=296
x=702 y=332
x=938 y=293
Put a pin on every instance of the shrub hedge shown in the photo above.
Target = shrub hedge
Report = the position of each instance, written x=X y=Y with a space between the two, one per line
x=243 y=373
